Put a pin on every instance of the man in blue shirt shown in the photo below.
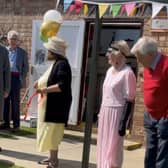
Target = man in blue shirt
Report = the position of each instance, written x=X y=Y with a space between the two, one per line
x=19 y=68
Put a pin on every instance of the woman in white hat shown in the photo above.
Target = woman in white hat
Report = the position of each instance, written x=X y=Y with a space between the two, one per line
x=54 y=87
x=118 y=91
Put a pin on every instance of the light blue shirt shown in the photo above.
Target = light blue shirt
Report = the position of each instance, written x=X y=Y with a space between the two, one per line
x=12 y=59
x=155 y=62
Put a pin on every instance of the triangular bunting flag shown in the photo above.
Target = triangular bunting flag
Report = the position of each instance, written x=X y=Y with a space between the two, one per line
x=122 y=9
x=67 y=4
x=85 y=9
x=133 y=11
x=111 y=9
x=78 y=5
x=129 y=8
x=102 y=9
x=71 y=8
x=156 y=7
x=115 y=9
x=167 y=9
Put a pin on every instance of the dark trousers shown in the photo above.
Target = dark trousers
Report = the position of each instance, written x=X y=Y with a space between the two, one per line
x=13 y=102
x=156 y=155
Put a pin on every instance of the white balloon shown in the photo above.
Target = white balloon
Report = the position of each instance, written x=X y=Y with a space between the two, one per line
x=53 y=15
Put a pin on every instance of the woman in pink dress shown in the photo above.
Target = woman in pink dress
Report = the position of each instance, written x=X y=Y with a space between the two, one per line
x=119 y=87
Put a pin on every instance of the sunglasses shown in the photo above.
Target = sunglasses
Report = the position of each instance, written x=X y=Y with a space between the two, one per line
x=14 y=39
x=114 y=49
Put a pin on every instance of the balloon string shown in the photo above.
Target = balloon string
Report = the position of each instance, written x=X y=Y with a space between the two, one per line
x=30 y=101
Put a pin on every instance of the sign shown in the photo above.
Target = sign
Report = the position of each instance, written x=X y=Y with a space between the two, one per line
x=159 y=24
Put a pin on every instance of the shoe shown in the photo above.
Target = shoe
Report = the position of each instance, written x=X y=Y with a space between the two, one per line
x=44 y=161
x=15 y=129
x=53 y=164
x=0 y=149
x=4 y=127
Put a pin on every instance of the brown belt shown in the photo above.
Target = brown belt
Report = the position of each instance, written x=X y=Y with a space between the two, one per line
x=15 y=73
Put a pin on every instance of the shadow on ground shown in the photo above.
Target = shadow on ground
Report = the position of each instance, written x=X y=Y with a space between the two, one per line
x=36 y=158
x=6 y=163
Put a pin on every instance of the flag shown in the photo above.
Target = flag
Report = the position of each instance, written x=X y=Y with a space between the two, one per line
x=129 y=8
x=116 y=9
x=156 y=7
x=102 y=9
x=67 y=4
x=85 y=9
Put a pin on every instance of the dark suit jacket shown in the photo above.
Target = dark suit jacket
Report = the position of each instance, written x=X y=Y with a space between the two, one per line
x=58 y=103
x=4 y=76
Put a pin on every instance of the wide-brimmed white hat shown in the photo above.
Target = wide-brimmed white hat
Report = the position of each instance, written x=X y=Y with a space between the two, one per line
x=56 y=45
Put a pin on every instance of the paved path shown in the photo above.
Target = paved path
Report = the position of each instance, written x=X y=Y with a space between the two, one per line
x=22 y=151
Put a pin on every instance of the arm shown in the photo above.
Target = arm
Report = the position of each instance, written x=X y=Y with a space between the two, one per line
x=130 y=90
x=62 y=78
x=25 y=66
x=6 y=73
x=50 y=89
x=124 y=118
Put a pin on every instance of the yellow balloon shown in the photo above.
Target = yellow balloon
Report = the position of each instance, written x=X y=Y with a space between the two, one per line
x=49 y=28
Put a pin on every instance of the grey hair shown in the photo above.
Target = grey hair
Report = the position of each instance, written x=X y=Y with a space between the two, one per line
x=145 y=45
x=122 y=46
x=12 y=34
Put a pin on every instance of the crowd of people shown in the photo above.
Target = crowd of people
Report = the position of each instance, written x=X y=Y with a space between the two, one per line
x=119 y=91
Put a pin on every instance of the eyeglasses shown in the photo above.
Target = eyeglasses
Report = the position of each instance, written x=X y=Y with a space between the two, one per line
x=14 y=39
x=114 y=49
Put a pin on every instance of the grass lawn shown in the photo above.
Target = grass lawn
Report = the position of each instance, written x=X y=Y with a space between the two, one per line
x=24 y=131
x=4 y=164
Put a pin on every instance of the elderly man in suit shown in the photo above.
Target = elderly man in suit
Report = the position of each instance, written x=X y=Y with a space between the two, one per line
x=4 y=79
x=19 y=68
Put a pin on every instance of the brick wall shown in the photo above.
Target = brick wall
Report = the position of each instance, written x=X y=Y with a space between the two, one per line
x=22 y=24
x=25 y=7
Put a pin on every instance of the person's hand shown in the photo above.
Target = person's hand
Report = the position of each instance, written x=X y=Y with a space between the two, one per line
x=122 y=131
x=35 y=85
x=6 y=94
x=42 y=90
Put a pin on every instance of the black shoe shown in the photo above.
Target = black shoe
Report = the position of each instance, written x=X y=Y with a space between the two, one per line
x=14 y=130
x=4 y=127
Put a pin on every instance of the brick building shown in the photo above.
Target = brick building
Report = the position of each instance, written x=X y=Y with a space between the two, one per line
x=18 y=15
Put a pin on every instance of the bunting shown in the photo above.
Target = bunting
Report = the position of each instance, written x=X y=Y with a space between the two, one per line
x=78 y=6
x=116 y=9
x=122 y=9
x=85 y=9
x=102 y=9
x=129 y=7
x=133 y=11
x=156 y=7
x=67 y=4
